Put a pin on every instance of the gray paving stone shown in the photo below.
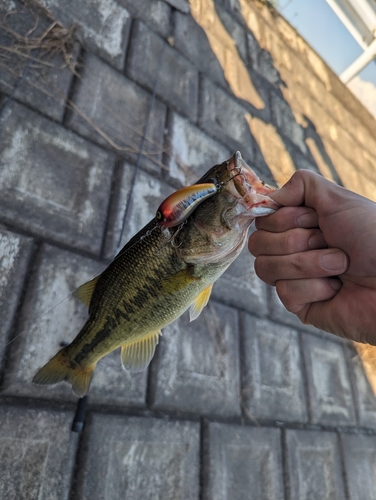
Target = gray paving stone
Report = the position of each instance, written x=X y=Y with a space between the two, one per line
x=52 y=182
x=51 y=315
x=197 y=369
x=273 y=385
x=360 y=465
x=191 y=152
x=144 y=458
x=103 y=25
x=44 y=86
x=191 y=40
x=224 y=118
x=178 y=79
x=240 y=287
x=37 y=452
x=284 y=118
x=147 y=195
x=14 y=256
x=243 y=462
x=329 y=384
x=113 y=111
x=364 y=395
x=155 y=13
x=313 y=466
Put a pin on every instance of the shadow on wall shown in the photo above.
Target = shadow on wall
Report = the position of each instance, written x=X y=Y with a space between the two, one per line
x=290 y=114
x=288 y=103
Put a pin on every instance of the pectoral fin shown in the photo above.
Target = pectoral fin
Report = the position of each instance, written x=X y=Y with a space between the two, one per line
x=137 y=356
x=199 y=304
x=85 y=291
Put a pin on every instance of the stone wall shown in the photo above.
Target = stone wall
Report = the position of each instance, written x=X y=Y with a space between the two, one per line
x=245 y=402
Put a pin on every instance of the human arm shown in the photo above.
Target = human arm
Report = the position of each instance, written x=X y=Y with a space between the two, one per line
x=321 y=221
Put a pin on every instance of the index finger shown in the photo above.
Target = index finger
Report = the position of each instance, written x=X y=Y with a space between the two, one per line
x=288 y=218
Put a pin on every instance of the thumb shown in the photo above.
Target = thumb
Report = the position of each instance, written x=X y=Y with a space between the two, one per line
x=309 y=189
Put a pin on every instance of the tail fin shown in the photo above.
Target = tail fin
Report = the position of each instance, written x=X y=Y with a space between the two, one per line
x=59 y=368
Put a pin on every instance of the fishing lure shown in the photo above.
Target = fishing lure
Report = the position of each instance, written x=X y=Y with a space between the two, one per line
x=177 y=207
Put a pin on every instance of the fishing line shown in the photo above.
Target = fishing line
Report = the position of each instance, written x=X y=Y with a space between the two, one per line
x=133 y=182
x=79 y=417
x=17 y=86
x=43 y=315
x=151 y=105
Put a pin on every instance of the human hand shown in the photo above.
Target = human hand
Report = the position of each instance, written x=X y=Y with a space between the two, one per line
x=319 y=250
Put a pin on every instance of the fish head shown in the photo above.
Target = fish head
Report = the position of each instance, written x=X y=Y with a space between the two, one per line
x=238 y=182
x=217 y=229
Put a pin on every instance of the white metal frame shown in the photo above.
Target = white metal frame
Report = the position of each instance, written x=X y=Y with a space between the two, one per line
x=359 y=17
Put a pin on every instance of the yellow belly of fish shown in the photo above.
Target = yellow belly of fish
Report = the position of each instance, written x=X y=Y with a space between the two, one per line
x=118 y=328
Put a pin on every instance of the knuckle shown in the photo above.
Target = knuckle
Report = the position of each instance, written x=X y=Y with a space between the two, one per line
x=253 y=243
x=290 y=242
x=303 y=174
x=298 y=264
x=303 y=316
x=259 y=267
x=281 y=288
x=262 y=269
x=296 y=240
x=284 y=293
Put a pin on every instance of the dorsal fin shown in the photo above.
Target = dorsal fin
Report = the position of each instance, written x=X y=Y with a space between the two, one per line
x=85 y=291
x=199 y=304
x=137 y=356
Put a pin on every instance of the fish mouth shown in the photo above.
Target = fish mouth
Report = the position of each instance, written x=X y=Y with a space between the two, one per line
x=245 y=185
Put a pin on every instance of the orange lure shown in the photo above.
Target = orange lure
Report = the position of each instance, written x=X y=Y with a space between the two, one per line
x=177 y=207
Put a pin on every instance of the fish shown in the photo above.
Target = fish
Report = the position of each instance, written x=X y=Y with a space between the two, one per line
x=160 y=273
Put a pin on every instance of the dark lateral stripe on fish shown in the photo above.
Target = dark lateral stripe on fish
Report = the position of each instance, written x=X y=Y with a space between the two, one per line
x=111 y=324
x=136 y=303
x=114 y=321
x=90 y=346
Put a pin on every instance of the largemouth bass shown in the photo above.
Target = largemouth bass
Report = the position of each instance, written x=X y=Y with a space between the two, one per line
x=161 y=272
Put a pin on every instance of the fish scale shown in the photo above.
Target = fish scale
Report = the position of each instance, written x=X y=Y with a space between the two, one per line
x=128 y=295
x=160 y=273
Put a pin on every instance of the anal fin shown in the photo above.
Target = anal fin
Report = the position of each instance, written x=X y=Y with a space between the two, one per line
x=85 y=291
x=200 y=302
x=137 y=356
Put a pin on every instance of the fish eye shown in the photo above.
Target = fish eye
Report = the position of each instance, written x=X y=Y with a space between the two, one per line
x=158 y=215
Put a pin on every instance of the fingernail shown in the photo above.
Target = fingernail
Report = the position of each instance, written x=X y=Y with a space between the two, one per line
x=306 y=220
x=317 y=241
x=334 y=261
x=335 y=283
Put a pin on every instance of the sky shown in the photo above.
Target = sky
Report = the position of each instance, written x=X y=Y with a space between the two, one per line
x=323 y=30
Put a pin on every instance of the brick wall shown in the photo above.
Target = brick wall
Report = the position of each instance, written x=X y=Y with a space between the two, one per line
x=243 y=403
